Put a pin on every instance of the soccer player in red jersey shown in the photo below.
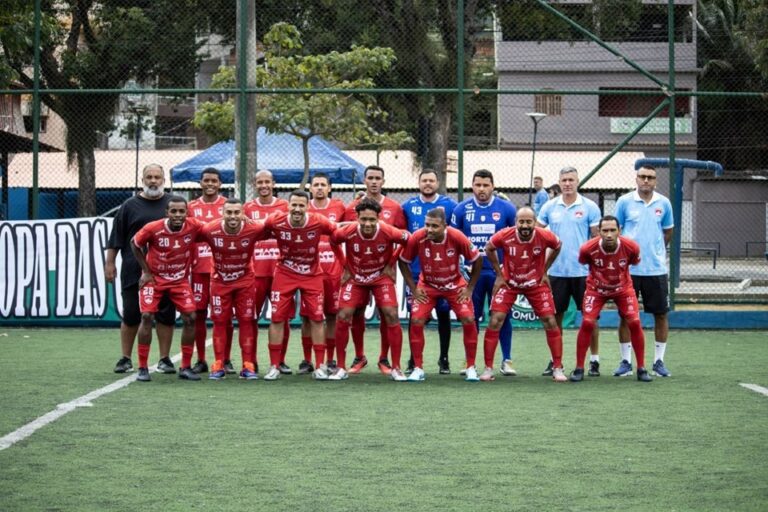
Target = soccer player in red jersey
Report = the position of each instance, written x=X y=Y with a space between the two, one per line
x=169 y=243
x=369 y=247
x=232 y=241
x=298 y=236
x=609 y=258
x=439 y=248
x=392 y=214
x=205 y=208
x=528 y=253
x=332 y=268
x=266 y=254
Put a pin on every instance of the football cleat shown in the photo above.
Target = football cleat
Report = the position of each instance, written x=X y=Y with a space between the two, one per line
x=272 y=374
x=124 y=365
x=660 y=370
x=417 y=375
x=643 y=375
x=397 y=375
x=594 y=369
x=305 y=367
x=284 y=368
x=143 y=375
x=165 y=365
x=558 y=375
x=471 y=375
x=384 y=366
x=249 y=372
x=229 y=367
x=188 y=374
x=577 y=375
x=548 y=370
x=339 y=374
x=200 y=367
x=443 y=367
x=507 y=369
x=624 y=369
x=358 y=364
x=488 y=375
x=320 y=373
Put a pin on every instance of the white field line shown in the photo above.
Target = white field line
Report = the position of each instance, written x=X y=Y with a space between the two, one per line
x=754 y=387
x=84 y=401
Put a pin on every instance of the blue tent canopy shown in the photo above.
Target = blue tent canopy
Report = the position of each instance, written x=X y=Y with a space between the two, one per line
x=280 y=153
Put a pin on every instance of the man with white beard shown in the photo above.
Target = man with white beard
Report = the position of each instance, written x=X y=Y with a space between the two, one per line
x=147 y=206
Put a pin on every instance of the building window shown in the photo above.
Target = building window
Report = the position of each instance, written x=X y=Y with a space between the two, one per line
x=28 y=124
x=629 y=105
x=550 y=104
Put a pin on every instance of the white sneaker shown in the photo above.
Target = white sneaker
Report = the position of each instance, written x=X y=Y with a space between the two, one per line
x=471 y=375
x=488 y=375
x=272 y=374
x=397 y=375
x=339 y=374
x=507 y=369
x=320 y=373
x=558 y=375
x=417 y=375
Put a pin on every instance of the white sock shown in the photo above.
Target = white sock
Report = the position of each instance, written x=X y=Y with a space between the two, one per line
x=626 y=351
x=594 y=357
x=660 y=349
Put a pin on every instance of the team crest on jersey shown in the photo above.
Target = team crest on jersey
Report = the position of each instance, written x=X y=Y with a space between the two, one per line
x=536 y=251
x=386 y=214
x=332 y=216
x=311 y=235
x=450 y=253
x=658 y=212
x=187 y=239
x=578 y=214
x=245 y=243
x=381 y=248
x=496 y=216
x=622 y=263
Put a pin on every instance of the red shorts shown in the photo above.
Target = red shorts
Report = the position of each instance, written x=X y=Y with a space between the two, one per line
x=284 y=288
x=261 y=286
x=356 y=295
x=539 y=297
x=226 y=296
x=331 y=287
x=462 y=309
x=625 y=300
x=201 y=289
x=179 y=292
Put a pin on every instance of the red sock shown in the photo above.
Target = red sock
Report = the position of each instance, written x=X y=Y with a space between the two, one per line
x=306 y=345
x=219 y=341
x=319 y=349
x=330 y=346
x=638 y=341
x=470 y=342
x=582 y=341
x=416 y=333
x=342 y=339
x=286 y=337
x=246 y=338
x=385 y=341
x=143 y=355
x=228 y=345
x=490 y=342
x=201 y=333
x=555 y=342
x=275 y=352
x=186 y=355
x=358 y=333
x=394 y=336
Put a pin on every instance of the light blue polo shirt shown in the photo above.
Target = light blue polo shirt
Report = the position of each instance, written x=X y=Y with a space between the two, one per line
x=539 y=199
x=645 y=224
x=572 y=225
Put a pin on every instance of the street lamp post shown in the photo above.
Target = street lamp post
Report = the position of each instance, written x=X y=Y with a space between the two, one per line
x=136 y=105
x=535 y=117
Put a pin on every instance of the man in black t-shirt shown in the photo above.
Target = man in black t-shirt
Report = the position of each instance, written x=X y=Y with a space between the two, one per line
x=147 y=206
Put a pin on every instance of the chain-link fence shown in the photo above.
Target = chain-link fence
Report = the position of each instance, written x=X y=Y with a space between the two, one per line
x=96 y=95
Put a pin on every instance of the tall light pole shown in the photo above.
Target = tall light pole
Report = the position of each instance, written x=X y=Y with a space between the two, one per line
x=535 y=117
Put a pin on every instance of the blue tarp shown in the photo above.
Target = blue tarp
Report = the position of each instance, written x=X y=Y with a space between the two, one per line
x=280 y=153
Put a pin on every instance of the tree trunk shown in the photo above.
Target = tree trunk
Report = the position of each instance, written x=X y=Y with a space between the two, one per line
x=305 y=150
x=439 y=136
x=86 y=170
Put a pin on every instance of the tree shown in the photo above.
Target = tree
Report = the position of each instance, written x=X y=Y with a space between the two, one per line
x=342 y=117
x=99 y=45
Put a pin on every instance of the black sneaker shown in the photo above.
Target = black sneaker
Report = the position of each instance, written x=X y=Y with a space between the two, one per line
x=165 y=365
x=443 y=367
x=229 y=367
x=305 y=367
x=124 y=365
x=594 y=368
x=643 y=375
x=143 y=375
x=200 y=367
x=284 y=368
x=548 y=370
x=331 y=365
x=188 y=374
x=577 y=375
x=411 y=365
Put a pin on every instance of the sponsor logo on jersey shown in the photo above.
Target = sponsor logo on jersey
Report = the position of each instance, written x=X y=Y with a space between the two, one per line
x=482 y=229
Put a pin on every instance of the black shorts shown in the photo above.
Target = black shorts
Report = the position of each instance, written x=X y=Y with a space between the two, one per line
x=563 y=288
x=166 y=315
x=654 y=292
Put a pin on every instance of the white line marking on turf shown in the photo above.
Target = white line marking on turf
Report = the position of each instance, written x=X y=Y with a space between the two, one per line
x=84 y=401
x=754 y=387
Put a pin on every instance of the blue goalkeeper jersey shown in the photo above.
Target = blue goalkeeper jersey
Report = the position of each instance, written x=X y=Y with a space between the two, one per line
x=481 y=221
x=415 y=210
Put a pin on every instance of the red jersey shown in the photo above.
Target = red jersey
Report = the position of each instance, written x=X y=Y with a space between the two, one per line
x=169 y=253
x=391 y=212
x=609 y=272
x=299 y=246
x=367 y=257
x=329 y=262
x=440 y=261
x=205 y=212
x=232 y=253
x=523 y=265
x=266 y=254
